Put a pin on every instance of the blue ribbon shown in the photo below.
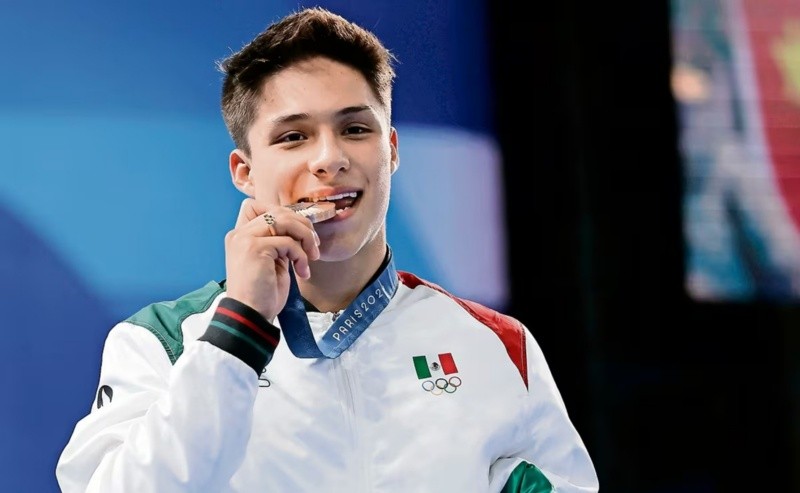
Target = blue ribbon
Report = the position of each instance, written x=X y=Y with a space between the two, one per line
x=352 y=322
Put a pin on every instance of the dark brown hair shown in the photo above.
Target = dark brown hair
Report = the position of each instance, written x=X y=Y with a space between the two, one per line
x=297 y=37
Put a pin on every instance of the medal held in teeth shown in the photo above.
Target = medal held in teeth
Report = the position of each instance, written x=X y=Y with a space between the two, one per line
x=315 y=211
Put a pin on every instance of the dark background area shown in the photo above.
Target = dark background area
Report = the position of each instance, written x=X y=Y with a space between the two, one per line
x=670 y=395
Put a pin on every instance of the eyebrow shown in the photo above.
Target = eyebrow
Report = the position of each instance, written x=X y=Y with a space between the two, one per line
x=304 y=116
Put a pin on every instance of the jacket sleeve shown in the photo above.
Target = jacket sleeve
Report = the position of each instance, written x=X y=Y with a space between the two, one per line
x=550 y=455
x=156 y=427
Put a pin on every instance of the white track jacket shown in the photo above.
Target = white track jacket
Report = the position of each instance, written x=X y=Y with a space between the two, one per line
x=438 y=395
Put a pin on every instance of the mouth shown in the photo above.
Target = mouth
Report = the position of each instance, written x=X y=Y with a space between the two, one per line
x=341 y=201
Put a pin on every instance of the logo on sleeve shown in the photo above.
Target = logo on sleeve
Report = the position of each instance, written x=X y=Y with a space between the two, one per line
x=263 y=381
x=106 y=391
x=433 y=383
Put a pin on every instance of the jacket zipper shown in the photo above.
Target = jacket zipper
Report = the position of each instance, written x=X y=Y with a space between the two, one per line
x=349 y=409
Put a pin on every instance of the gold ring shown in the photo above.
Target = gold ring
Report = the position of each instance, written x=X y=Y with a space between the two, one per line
x=269 y=218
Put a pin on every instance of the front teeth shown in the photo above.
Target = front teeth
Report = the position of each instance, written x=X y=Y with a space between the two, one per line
x=336 y=197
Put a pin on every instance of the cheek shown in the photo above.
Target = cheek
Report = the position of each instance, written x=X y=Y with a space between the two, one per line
x=383 y=183
x=384 y=176
x=264 y=185
x=385 y=158
x=281 y=186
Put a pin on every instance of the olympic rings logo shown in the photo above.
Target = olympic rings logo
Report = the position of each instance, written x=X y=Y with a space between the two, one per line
x=442 y=385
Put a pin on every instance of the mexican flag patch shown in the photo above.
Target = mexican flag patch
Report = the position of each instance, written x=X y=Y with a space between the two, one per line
x=444 y=362
x=438 y=373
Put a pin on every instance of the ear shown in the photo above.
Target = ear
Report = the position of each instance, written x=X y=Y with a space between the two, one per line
x=240 y=172
x=395 y=162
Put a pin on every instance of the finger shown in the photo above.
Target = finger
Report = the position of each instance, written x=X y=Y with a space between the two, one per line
x=282 y=248
x=285 y=223
x=249 y=210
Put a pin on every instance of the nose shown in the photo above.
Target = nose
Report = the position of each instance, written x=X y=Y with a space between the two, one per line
x=329 y=157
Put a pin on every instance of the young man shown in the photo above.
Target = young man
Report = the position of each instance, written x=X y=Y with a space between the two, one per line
x=376 y=380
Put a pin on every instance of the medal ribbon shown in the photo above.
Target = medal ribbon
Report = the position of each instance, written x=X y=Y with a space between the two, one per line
x=352 y=322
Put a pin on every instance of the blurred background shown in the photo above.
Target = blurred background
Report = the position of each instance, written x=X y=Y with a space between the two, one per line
x=620 y=177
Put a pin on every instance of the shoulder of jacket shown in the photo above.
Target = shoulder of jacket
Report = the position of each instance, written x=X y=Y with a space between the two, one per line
x=165 y=318
x=511 y=332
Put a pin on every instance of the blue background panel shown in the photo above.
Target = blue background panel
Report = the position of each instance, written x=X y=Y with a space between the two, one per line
x=114 y=189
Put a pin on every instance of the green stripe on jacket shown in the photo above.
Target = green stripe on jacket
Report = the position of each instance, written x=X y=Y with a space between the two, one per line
x=527 y=478
x=164 y=319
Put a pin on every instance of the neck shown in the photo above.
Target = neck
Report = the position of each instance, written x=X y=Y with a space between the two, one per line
x=333 y=285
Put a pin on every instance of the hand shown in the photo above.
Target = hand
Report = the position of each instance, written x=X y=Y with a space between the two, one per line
x=257 y=255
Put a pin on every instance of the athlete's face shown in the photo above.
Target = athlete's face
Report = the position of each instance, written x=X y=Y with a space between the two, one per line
x=320 y=132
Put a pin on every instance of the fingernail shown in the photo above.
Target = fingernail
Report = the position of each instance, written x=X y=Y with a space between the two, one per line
x=316 y=238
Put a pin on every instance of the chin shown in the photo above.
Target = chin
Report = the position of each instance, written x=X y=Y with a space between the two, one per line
x=336 y=251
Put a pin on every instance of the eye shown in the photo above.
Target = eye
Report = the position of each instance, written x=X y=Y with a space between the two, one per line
x=290 y=137
x=356 y=130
